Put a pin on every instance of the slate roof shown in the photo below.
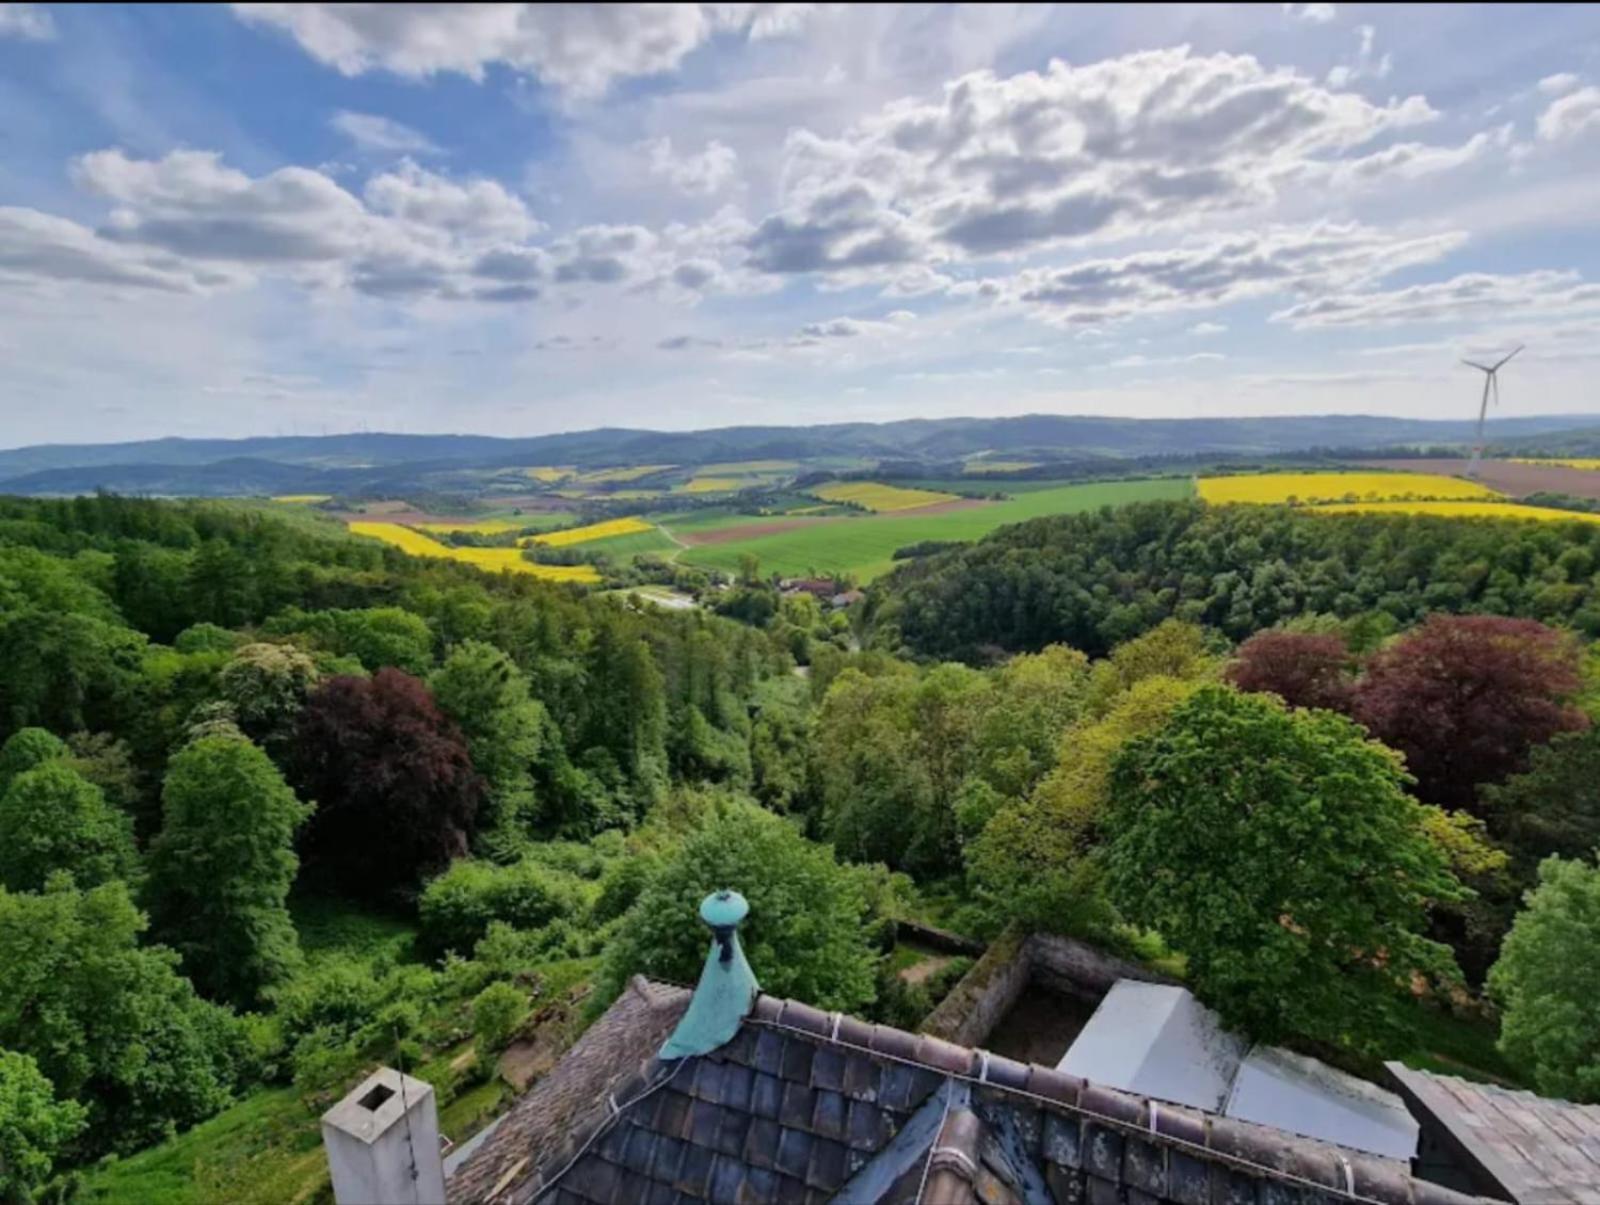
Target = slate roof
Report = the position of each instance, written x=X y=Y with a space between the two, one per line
x=805 y=1106
x=1535 y=1150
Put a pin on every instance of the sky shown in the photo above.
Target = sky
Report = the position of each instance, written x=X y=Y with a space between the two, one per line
x=512 y=219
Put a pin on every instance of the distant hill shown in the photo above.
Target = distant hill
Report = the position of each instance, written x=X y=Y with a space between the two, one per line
x=372 y=461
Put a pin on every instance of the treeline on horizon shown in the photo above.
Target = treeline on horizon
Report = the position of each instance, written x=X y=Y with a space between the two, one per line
x=215 y=723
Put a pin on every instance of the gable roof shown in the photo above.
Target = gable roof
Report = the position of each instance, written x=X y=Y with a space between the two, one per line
x=808 y=1106
x=1535 y=1150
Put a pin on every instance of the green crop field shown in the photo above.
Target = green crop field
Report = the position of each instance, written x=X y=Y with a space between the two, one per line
x=864 y=546
x=621 y=548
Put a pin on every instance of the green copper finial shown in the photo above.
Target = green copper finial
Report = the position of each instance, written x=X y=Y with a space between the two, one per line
x=727 y=986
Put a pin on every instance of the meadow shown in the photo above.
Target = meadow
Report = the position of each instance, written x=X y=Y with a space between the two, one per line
x=1464 y=510
x=303 y=499
x=482 y=527
x=863 y=546
x=876 y=496
x=712 y=485
x=1271 y=489
x=493 y=560
x=630 y=473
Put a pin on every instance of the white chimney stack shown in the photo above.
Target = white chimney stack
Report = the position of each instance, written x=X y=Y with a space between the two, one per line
x=383 y=1143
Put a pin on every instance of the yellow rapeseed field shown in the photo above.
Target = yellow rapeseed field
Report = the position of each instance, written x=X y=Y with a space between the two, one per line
x=1573 y=462
x=710 y=485
x=492 y=559
x=875 y=496
x=595 y=531
x=601 y=476
x=303 y=499
x=1310 y=488
x=977 y=468
x=1462 y=510
x=547 y=473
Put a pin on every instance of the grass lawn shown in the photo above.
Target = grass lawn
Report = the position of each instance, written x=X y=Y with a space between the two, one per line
x=864 y=545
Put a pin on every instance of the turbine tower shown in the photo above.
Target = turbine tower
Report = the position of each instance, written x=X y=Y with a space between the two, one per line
x=1491 y=381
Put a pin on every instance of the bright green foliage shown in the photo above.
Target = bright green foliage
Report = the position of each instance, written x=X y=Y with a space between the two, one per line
x=374 y=636
x=267 y=685
x=1548 y=982
x=34 y=1126
x=1278 y=850
x=221 y=869
x=458 y=906
x=483 y=691
x=109 y=1021
x=805 y=936
x=496 y=1013
x=27 y=749
x=1032 y=861
x=52 y=818
x=205 y=638
x=1171 y=649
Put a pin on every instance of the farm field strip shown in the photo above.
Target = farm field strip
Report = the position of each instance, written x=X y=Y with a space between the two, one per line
x=1587 y=463
x=1461 y=510
x=632 y=473
x=303 y=499
x=492 y=559
x=980 y=468
x=1271 y=489
x=733 y=468
x=876 y=496
x=594 y=531
x=864 y=545
x=712 y=485
x=481 y=527
x=548 y=473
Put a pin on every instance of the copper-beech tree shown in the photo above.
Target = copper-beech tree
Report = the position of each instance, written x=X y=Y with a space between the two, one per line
x=396 y=794
x=1304 y=669
x=1465 y=697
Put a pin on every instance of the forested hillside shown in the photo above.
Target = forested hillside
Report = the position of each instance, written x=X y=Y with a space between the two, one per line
x=277 y=804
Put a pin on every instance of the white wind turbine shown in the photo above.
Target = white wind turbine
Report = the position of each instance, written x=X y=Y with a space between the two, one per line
x=1491 y=381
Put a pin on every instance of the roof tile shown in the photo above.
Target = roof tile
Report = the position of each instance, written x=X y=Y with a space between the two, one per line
x=896 y=1043
x=797 y=1056
x=766 y=1095
x=761 y=1143
x=767 y=1054
x=827 y=1069
x=694 y=1171
x=829 y=1167
x=828 y=1118
x=1055 y=1085
x=867 y=1129
x=811 y=1020
x=794 y=1153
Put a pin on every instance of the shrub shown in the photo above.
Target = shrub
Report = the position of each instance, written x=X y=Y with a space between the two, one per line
x=457 y=907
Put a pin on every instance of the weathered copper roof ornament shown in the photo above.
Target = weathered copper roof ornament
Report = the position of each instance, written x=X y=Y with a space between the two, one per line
x=727 y=987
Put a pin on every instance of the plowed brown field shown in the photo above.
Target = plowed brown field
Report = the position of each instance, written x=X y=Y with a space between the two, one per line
x=1510 y=478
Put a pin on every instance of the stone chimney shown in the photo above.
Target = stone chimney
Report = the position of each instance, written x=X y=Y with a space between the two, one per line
x=383 y=1143
x=727 y=987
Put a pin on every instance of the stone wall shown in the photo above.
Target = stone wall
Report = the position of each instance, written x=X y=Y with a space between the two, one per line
x=969 y=1014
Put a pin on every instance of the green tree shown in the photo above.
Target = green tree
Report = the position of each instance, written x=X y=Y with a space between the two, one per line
x=28 y=749
x=109 y=1021
x=1553 y=808
x=1548 y=982
x=34 y=1127
x=222 y=866
x=52 y=818
x=806 y=934
x=496 y=1013
x=65 y=671
x=483 y=691
x=1279 y=851
x=267 y=684
x=457 y=907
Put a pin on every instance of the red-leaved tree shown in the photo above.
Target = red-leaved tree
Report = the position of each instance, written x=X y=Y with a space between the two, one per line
x=396 y=794
x=1465 y=697
x=1301 y=668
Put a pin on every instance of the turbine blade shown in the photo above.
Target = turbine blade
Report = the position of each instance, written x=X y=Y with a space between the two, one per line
x=1509 y=354
x=1475 y=364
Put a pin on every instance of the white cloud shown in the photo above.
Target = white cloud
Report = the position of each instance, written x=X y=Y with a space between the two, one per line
x=1000 y=166
x=1141 y=361
x=1469 y=297
x=1317 y=14
x=1365 y=65
x=1216 y=272
x=579 y=49
x=374 y=133
x=188 y=222
x=1559 y=84
x=700 y=175
x=1574 y=115
x=1207 y=329
x=30 y=22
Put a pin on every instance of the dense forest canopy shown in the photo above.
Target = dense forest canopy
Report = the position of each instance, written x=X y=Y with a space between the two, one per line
x=217 y=727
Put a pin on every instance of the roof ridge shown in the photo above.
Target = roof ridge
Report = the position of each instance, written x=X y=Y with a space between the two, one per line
x=1341 y=1171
